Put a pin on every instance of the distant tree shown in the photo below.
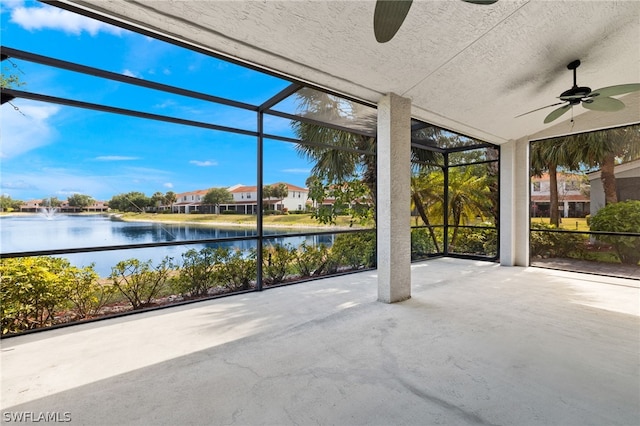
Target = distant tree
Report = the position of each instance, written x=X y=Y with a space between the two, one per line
x=130 y=202
x=170 y=197
x=157 y=200
x=80 y=200
x=605 y=149
x=275 y=191
x=548 y=156
x=51 y=202
x=217 y=196
x=9 y=204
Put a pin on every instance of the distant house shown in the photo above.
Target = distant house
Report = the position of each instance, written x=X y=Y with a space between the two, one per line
x=627 y=184
x=245 y=200
x=32 y=206
x=35 y=206
x=572 y=199
x=189 y=202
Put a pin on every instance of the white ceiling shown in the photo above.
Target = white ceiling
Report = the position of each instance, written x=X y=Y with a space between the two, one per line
x=466 y=67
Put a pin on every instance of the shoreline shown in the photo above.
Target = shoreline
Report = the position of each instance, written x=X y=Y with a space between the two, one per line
x=235 y=224
x=158 y=218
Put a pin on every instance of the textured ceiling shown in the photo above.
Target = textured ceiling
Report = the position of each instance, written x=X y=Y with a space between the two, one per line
x=466 y=67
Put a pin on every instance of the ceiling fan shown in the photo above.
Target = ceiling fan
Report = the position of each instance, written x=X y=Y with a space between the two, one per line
x=596 y=100
x=389 y=15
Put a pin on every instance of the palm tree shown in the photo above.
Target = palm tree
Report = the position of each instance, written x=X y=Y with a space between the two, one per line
x=604 y=149
x=350 y=157
x=469 y=196
x=334 y=165
x=424 y=191
x=547 y=156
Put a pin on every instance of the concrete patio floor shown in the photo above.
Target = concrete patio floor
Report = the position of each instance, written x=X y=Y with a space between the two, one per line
x=476 y=344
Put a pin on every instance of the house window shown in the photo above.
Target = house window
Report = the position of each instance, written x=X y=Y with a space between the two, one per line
x=536 y=186
x=248 y=195
x=572 y=185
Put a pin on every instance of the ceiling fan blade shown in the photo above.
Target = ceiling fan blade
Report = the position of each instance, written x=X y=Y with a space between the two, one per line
x=388 y=17
x=480 y=1
x=538 y=109
x=556 y=113
x=620 y=89
x=603 y=104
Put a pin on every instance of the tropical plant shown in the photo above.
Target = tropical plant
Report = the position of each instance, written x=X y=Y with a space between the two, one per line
x=337 y=155
x=422 y=243
x=545 y=243
x=277 y=192
x=238 y=268
x=604 y=149
x=32 y=290
x=199 y=271
x=310 y=259
x=348 y=198
x=548 y=156
x=355 y=251
x=140 y=282
x=469 y=196
x=622 y=217
x=277 y=260
x=86 y=294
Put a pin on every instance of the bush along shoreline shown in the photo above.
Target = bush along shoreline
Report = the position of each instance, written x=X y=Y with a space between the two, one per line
x=40 y=292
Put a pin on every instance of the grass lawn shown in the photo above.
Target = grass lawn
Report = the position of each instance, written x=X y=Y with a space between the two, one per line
x=568 y=223
x=290 y=220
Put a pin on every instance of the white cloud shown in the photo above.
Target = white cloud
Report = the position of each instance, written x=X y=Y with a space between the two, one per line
x=207 y=163
x=48 y=17
x=27 y=128
x=168 y=185
x=115 y=158
x=19 y=184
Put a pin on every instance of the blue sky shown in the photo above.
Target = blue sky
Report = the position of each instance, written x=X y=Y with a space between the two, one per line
x=51 y=150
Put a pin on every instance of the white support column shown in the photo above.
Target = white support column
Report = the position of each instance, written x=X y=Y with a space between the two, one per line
x=394 y=199
x=514 y=203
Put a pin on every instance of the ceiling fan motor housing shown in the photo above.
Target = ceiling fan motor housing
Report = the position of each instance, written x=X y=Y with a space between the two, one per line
x=575 y=94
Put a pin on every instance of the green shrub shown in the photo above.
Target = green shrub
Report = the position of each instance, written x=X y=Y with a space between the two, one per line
x=238 y=269
x=354 y=251
x=199 y=271
x=620 y=217
x=555 y=244
x=86 y=294
x=277 y=261
x=139 y=282
x=311 y=260
x=476 y=241
x=228 y=212
x=34 y=289
x=421 y=243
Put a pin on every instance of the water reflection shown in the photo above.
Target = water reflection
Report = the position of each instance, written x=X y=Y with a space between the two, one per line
x=27 y=233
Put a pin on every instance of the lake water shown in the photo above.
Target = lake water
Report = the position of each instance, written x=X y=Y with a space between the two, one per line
x=37 y=232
